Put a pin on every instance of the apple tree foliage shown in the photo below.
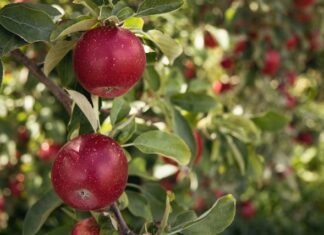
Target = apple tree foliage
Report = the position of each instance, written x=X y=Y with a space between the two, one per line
x=229 y=108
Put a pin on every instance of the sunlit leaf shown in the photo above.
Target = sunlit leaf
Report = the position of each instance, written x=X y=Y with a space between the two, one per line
x=86 y=108
x=163 y=143
x=152 y=7
x=56 y=54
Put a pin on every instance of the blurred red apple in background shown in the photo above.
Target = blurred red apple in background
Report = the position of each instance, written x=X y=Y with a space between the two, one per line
x=2 y=204
x=240 y=46
x=16 y=185
x=209 y=40
x=291 y=77
x=190 y=69
x=227 y=62
x=292 y=42
x=199 y=147
x=48 y=150
x=272 y=61
x=220 y=87
x=304 y=3
x=247 y=209
x=305 y=138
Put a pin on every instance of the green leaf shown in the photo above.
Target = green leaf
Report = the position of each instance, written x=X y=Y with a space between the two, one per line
x=168 y=209
x=86 y=108
x=152 y=7
x=138 y=206
x=65 y=71
x=119 y=110
x=155 y=195
x=240 y=127
x=170 y=48
x=255 y=165
x=90 y=5
x=137 y=167
x=122 y=11
x=182 y=128
x=127 y=131
x=83 y=25
x=166 y=144
x=9 y=41
x=213 y=221
x=236 y=154
x=152 y=77
x=134 y=23
x=104 y=12
x=56 y=54
x=39 y=212
x=271 y=121
x=1 y=72
x=194 y=102
x=78 y=124
x=48 y=9
x=30 y=24
x=65 y=229
x=123 y=201
x=184 y=217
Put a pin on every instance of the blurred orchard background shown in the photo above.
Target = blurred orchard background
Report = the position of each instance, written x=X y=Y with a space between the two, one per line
x=261 y=65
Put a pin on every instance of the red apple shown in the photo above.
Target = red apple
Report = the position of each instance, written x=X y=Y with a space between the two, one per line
x=253 y=35
x=190 y=69
x=169 y=182
x=291 y=101
x=304 y=3
x=169 y=161
x=305 y=138
x=23 y=135
x=247 y=210
x=2 y=204
x=87 y=226
x=209 y=40
x=240 y=46
x=218 y=193
x=199 y=147
x=16 y=185
x=292 y=42
x=304 y=16
x=200 y=204
x=291 y=77
x=315 y=42
x=227 y=62
x=220 y=87
x=48 y=150
x=271 y=62
x=90 y=172
x=108 y=61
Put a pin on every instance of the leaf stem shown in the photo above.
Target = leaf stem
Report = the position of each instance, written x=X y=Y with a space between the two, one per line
x=127 y=145
x=57 y=91
x=122 y=226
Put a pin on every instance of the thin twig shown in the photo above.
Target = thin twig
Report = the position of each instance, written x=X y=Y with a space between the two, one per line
x=122 y=226
x=57 y=91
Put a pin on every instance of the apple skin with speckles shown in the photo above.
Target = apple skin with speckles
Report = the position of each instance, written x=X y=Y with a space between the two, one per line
x=108 y=61
x=90 y=172
x=87 y=226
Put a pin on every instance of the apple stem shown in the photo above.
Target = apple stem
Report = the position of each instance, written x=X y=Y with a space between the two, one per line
x=123 y=227
x=57 y=91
